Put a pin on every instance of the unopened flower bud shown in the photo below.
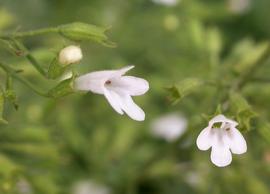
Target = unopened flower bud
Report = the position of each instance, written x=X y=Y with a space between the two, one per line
x=70 y=55
x=78 y=31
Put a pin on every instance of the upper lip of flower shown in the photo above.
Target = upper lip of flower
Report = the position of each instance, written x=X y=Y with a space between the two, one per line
x=117 y=89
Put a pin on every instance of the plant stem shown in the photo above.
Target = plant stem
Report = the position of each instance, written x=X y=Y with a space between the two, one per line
x=29 y=33
x=30 y=57
x=10 y=71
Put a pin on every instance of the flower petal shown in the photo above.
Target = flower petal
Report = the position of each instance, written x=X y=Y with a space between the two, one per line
x=220 y=153
x=123 y=70
x=114 y=100
x=129 y=107
x=133 y=85
x=205 y=139
x=236 y=141
x=93 y=81
x=222 y=119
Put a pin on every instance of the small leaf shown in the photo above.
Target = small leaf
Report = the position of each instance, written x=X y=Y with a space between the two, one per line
x=55 y=69
x=245 y=54
x=184 y=88
x=64 y=88
x=2 y=102
x=242 y=110
x=10 y=94
x=78 y=31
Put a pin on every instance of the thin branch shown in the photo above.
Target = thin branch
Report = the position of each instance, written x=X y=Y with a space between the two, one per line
x=12 y=72
x=29 y=33
x=30 y=57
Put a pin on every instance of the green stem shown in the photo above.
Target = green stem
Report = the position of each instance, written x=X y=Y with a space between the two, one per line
x=29 y=33
x=10 y=71
x=30 y=57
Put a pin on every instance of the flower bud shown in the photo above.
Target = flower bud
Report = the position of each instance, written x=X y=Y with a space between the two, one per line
x=69 y=55
x=80 y=31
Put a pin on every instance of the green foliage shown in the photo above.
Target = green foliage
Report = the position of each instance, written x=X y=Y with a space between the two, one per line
x=241 y=109
x=245 y=54
x=10 y=94
x=55 y=69
x=217 y=58
x=184 y=88
x=80 y=31
x=2 y=101
x=64 y=88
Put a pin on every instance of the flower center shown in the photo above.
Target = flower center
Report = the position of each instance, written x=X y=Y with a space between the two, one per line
x=108 y=82
x=227 y=129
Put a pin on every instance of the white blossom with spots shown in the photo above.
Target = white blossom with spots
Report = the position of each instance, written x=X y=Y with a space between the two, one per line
x=224 y=140
x=117 y=88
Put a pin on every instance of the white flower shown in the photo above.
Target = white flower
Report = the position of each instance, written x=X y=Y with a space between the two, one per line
x=239 y=6
x=224 y=140
x=69 y=55
x=89 y=187
x=166 y=2
x=24 y=187
x=170 y=127
x=117 y=89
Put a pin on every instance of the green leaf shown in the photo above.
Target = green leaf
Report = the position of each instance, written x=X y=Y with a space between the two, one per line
x=78 y=31
x=245 y=54
x=2 y=102
x=184 y=88
x=55 y=69
x=242 y=110
x=64 y=88
x=10 y=94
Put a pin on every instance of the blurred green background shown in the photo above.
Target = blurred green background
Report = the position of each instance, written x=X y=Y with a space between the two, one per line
x=50 y=146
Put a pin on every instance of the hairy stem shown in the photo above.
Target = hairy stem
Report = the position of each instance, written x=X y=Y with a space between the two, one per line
x=11 y=72
x=29 y=33
x=30 y=57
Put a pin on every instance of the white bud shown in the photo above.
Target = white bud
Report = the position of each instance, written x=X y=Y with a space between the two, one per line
x=69 y=55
